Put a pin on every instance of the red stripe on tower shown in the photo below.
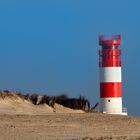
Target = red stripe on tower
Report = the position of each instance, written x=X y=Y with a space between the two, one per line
x=110 y=75
x=110 y=89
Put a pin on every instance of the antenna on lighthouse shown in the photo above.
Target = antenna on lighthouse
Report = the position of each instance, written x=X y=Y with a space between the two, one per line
x=110 y=75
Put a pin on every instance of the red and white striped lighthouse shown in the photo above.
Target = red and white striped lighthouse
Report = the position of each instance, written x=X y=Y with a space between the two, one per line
x=110 y=75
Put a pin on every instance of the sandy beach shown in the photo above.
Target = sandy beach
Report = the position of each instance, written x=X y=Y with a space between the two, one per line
x=68 y=126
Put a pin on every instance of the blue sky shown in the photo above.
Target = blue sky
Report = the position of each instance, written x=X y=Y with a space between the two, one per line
x=51 y=46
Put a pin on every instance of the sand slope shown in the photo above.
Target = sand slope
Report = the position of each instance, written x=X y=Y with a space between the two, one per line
x=13 y=104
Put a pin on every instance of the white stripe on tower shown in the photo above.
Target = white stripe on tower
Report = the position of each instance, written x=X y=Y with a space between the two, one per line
x=111 y=105
x=110 y=74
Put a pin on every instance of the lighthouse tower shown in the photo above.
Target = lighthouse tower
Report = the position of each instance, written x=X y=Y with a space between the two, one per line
x=110 y=75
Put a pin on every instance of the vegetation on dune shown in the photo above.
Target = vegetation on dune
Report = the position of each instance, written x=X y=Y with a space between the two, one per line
x=80 y=103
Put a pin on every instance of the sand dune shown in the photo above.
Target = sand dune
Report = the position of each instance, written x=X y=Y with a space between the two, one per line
x=14 y=104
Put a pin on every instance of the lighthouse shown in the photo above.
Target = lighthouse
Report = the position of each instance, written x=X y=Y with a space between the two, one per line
x=110 y=75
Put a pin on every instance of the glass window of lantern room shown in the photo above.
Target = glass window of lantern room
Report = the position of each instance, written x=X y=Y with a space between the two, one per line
x=120 y=59
x=100 y=58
